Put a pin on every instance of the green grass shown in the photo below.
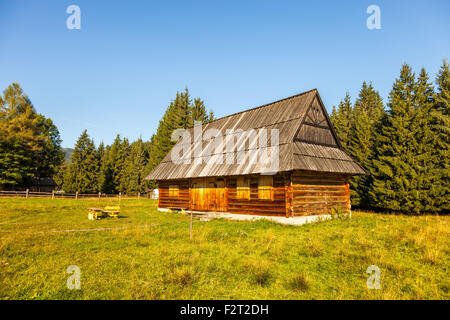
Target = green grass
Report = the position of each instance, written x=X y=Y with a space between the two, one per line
x=225 y=260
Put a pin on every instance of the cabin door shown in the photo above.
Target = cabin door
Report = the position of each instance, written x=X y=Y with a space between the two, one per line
x=219 y=190
x=208 y=195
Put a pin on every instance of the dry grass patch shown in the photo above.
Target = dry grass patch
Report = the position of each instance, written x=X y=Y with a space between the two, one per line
x=300 y=282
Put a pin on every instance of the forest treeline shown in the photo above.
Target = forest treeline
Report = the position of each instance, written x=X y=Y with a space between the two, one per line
x=30 y=148
x=404 y=147
x=123 y=165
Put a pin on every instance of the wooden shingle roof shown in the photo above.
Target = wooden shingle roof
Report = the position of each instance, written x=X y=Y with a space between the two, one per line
x=307 y=141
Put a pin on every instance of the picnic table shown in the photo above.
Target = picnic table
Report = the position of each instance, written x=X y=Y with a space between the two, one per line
x=110 y=211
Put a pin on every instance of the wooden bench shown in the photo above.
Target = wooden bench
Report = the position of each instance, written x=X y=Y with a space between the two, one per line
x=95 y=213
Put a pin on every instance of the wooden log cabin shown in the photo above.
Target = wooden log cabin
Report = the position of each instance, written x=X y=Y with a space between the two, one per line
x=313 y=170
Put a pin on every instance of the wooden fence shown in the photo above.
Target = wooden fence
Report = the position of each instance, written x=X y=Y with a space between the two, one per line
x=76 y=196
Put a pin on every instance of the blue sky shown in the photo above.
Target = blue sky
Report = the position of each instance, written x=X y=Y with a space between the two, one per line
x=120 y=71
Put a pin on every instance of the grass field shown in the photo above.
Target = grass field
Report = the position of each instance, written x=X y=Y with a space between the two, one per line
x=148 y=255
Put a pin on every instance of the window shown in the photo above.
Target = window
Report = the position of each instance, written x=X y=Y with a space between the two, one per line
x=265 y=187
x=243 y=188
x=174 y=191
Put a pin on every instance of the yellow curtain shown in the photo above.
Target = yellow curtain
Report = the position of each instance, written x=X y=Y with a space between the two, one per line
x=265 y=187
x=173 y=191
x=243 y=188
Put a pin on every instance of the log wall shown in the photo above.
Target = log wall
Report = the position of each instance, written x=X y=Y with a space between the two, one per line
x=314 y=193
x=181 y=201
x=295 y=194
x=275 y=207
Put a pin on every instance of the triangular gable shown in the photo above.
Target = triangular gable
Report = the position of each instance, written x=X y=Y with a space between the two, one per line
x=316 y=126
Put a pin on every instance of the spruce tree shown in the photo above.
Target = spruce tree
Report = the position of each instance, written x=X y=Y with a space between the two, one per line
x=60 y=175
x=211 y=116
x=341 y=120
x=198 y=113
x=123 y=177
x=424 y=135
x=365 y=117
x=83 y=170
x=101 y=152
x=180 y=114
x=106 y=180
x=396 y=174
x=50 y=155
x=113 y=166
x=150 y=164
x=333 y=115
x=134 y=168
x=440 y=122
x=183 y=103
x=162 y=142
